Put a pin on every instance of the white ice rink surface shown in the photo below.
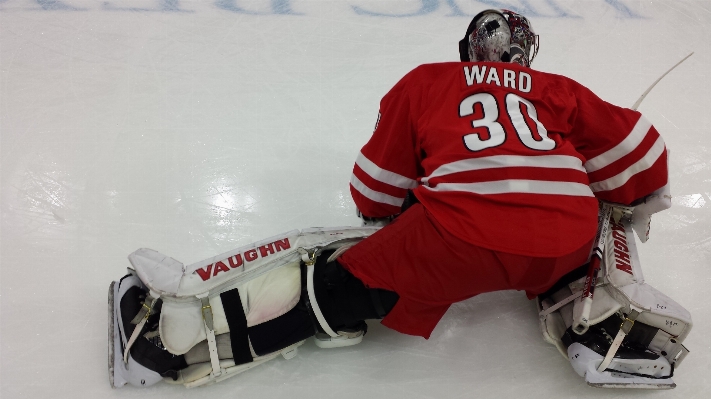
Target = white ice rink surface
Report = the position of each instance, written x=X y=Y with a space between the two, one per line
x=196 y=127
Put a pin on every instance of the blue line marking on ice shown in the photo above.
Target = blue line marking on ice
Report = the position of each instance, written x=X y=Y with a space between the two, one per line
x=282 y=7
x=428 y=6
x=455 y=11
x=561 y=12
x=454 y=8
x=162 y=6
x=623 y=9
x=52 y=5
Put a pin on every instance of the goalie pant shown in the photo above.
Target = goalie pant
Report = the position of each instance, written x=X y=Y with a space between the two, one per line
x=431 y=268
x=250 y=322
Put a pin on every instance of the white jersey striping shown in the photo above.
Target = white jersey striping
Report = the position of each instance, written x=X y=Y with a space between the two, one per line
x=508 y=161
x=373 y=195
x=638 y=133
x=518 y=186
x=383 y=175
x=643 y=164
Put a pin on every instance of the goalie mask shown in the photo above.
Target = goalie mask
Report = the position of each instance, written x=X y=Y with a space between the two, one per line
x=500 y=36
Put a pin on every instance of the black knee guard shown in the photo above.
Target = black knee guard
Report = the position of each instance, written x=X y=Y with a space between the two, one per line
x=344 y=300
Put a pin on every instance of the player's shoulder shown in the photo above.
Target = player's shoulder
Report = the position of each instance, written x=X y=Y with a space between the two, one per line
x=434 y=74
x=427 y=75
x=437 y=69
x=559 y=79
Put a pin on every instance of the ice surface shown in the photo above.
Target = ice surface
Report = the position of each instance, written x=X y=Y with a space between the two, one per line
x=196 y=127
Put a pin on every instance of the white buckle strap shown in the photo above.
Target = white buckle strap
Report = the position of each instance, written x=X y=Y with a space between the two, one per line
x=140 y=321
x=624 y=330
x=206 y=311
x=310 y=260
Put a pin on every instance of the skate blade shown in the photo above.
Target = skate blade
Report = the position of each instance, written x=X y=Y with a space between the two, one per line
x=110 y=339
x=608 y=379
x=115 y=379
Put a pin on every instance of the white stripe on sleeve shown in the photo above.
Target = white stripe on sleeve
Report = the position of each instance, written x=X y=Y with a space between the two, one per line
x=383 y=175
x=623 y=148
x=373 y=195
x=508 y=161
x=518 y=186
x=643 y=164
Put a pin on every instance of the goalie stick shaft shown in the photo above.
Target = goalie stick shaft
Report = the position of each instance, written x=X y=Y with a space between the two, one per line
x=642 y=97
x=581 y=320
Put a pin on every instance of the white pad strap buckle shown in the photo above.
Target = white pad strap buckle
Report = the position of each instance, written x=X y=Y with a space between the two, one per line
x=210 y=332
x=140 y=321
x=309 y=259
x=624 y=330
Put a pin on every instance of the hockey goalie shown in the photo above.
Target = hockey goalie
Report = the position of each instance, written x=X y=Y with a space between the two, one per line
x=480 y=175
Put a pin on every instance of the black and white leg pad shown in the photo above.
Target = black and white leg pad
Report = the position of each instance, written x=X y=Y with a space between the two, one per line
x=636 y=332
x=239 y=297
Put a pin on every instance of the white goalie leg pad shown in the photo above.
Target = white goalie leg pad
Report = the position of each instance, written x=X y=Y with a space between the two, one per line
x=266 y=275
x=622 y=295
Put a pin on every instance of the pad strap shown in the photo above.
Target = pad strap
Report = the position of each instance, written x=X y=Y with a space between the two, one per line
x=237 y=322
x=310 y=260
x=560 y=304
x=140 y=321
x=621 y=334
x=210 y=332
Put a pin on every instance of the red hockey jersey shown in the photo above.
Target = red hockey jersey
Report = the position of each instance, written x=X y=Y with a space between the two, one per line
x=505 y=157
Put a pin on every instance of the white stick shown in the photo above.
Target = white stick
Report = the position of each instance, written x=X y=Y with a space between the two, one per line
x=639 y=101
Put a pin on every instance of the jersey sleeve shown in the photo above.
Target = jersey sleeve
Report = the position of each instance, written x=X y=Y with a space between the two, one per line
x=387 y=166
x=626 y=158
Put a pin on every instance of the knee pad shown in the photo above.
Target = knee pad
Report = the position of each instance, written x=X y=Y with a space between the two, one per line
x=344 y=299
x=338 y=302
x=636 y=333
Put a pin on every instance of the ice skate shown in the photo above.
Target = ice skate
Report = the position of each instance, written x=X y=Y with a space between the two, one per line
x=631 y=367
x=125 y=300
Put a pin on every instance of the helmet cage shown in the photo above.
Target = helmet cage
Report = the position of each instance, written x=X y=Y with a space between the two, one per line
x=522 y=34
x=499 y=35
x=491 y=41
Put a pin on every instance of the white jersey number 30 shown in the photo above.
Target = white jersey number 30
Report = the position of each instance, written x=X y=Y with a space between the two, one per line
x=497 y=134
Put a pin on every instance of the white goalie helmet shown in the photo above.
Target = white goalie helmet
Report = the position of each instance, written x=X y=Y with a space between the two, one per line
x=500 y=36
